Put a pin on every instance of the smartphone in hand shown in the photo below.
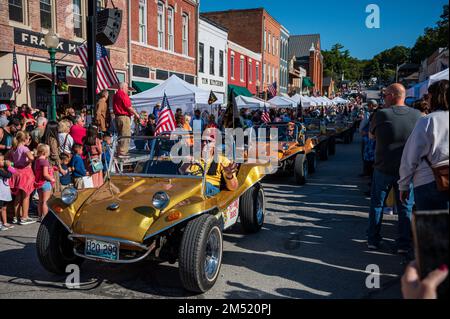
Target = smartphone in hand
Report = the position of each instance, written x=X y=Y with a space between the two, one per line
x=431 y=239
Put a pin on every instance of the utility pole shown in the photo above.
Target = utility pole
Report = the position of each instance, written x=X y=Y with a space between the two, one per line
x=92 y=55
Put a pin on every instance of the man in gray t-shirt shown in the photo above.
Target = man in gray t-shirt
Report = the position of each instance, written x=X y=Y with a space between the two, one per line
x=391 y=128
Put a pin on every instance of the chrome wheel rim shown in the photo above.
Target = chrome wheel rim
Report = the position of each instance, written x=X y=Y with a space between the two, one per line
x=213 y=254
x=260 y=208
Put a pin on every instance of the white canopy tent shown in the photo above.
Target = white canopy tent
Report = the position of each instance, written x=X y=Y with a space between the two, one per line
x=180 y=94
x=311 y=100
x=281 y=102
x=245 y=102
x=303 y=100
x=339 y=100
x=438 y=77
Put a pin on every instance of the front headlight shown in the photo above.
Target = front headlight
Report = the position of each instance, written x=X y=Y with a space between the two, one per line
x=161 y=200
x=69 y=195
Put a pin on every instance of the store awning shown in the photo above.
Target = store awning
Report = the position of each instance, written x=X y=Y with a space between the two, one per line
x=143 y=86
x=239 y=90
x=308 y=83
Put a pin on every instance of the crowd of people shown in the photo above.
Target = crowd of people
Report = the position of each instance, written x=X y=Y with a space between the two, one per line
x=39 y=157
x=405 y=150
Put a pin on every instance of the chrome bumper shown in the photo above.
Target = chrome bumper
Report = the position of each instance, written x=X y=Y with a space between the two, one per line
x=148 y=250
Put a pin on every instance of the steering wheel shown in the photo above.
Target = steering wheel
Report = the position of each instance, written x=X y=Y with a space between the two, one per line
x=193 y=172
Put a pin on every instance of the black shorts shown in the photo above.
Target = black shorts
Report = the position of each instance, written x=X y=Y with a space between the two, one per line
x=2 y=204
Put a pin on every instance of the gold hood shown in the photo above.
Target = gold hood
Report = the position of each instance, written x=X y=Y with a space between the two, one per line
x=135 y=213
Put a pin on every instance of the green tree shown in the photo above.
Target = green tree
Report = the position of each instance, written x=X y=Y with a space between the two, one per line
x=432 y=39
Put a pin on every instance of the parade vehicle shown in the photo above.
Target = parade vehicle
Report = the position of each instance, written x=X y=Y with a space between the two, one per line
x=325 y=136
x=150 y=209
x=296 y=151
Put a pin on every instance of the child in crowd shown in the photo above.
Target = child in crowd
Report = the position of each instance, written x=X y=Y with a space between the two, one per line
x=77 y=166
x=65 y=176
x=6 y=171
x=107 y=149
x=44 y=178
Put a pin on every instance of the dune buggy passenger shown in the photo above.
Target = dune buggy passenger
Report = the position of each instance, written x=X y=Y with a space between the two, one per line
x=218 y=174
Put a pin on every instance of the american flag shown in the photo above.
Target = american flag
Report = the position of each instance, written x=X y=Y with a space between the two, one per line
x=273 y=89
x=106 y=76
x=265 y=116
x=166 y=120
x=16 y=76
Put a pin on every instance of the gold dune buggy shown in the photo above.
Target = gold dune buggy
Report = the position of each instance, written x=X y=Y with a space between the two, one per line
x=147 y=209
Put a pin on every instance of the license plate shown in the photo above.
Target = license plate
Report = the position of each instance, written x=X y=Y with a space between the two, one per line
x=102 y=250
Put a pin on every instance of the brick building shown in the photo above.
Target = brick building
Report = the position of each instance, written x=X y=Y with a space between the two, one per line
x=163 y=41
x=307 y=51
x=244 y=70
x=258 y=31
x=24 y=24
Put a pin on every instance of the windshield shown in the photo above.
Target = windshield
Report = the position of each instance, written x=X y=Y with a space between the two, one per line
x=286 y=133
x=151 y=157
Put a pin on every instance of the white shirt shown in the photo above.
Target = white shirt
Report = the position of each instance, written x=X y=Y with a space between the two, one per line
x=65 y=145
x=429 y=139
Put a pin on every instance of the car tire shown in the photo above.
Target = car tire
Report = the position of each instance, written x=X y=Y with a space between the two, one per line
x=252 y=209
x=54 y=248
x=312 y=162
x=324 y=151
x=332 y=146
x=301 y=169
x=200 y=255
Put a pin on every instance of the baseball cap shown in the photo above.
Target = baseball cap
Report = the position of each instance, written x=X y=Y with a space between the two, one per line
x=372 y=102
x=4 y=107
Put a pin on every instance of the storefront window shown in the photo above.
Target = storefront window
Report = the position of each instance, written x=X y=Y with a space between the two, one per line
x=161 y=35
x=16 y=10
x=143 y=21
x=232 y=66
x=185 y=34
x=77 y=19
x=201 y=57
x=221 y=60
x=170 y=26
x=212 y=54
x=46 y=14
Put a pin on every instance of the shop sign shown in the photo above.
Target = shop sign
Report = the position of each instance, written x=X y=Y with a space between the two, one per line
x=36 y=40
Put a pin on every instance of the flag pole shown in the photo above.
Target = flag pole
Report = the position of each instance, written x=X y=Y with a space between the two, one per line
x=92 y=55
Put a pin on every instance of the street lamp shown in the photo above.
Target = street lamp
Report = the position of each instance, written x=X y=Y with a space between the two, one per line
x=52 y=41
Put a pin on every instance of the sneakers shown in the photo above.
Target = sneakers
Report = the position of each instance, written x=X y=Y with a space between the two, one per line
x=6 y=227
x=26 y=221
x=15 y=221
x=373 y=247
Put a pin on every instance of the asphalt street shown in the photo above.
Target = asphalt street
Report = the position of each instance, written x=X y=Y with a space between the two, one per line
x=312 y=246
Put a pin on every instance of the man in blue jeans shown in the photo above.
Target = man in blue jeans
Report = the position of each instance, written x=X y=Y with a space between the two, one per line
x=391 y=127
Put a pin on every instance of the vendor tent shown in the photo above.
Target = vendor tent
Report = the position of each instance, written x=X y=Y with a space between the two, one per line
x=339 y=100
x=281 y=101
x=438 y=77
x=180 y=94
x=303 y=100
x=312 y=101
x=245 y=102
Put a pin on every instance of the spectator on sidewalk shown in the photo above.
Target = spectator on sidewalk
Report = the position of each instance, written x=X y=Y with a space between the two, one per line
x=101 y=112
x=6 y=172
x=78 y=131
x=391 y=128
x=123 y=111
x=38 y=133
x=93 y=155
x=65 y=176
x=77 y=166
x=65 y=139
x=3 y=115
x=44 y=178
x=22 y=182
x=51 y=138
x=427 y=147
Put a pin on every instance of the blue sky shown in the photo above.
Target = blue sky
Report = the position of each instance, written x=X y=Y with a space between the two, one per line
x=343 y=21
